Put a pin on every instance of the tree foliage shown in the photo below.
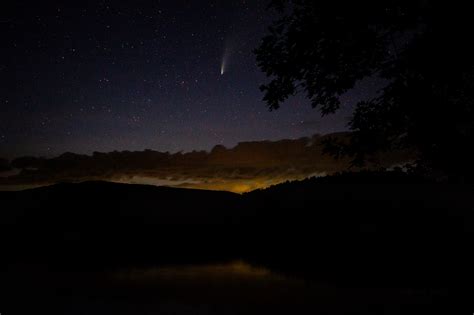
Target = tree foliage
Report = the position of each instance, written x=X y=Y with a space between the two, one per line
x=421 y=49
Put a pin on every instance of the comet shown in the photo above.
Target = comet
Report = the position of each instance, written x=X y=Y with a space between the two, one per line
x=223 y=63
x=225 y=56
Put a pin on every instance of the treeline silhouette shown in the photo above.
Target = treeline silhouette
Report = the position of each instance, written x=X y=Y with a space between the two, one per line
x=386 y=229
x=417 y=53
x=369 y=214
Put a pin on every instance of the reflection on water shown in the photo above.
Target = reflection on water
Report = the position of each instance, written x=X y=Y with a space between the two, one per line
x=233 y=270
x=240 y=288
x=236 y=284
x=226 y=288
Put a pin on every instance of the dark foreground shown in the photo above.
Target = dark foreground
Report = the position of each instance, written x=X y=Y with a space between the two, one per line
x=353 y=244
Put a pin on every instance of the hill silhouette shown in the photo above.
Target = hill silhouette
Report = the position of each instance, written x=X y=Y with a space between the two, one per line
x=364 y=230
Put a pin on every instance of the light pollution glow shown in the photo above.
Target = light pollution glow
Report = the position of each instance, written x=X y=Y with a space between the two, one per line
x=245 y=167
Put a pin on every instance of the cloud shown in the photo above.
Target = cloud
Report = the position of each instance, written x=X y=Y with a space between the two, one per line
x=245 y=167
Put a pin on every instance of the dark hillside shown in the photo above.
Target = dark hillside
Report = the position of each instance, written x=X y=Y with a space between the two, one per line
x=95 y=224
x=370 y=227
x=357 y=230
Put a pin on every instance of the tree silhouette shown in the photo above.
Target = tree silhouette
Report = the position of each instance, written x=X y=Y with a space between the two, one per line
x=420 y=49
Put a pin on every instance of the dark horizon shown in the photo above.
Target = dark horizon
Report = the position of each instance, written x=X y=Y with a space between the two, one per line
x=245 y=167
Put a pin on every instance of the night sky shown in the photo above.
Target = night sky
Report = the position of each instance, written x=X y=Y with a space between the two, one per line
x=117 y=75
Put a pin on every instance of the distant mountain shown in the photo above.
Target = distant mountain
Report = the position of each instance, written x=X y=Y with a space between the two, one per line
x=247 y=166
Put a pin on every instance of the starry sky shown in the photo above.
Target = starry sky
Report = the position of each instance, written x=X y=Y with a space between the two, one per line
x=133 y=75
